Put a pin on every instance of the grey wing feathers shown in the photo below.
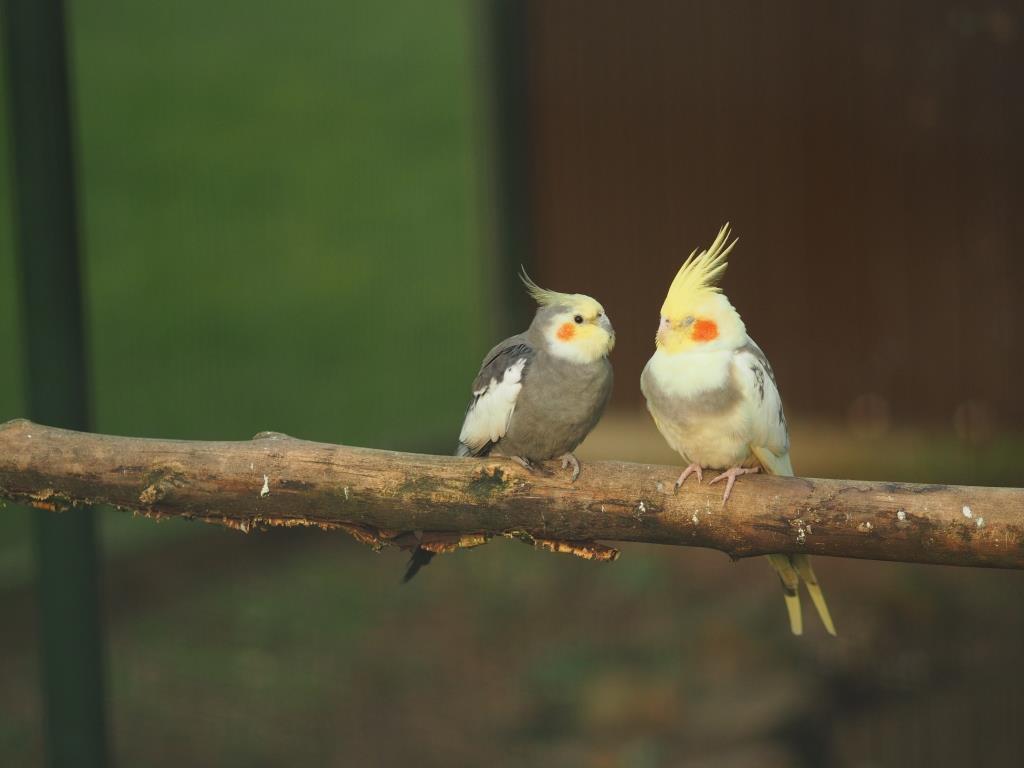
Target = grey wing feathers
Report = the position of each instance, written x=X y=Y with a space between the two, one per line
x=498 y=359
x=757 y=378
x=495 y=391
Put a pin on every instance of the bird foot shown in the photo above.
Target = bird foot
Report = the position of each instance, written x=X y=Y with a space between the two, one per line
x=528 y=465
x=693 y=469
x=731 y=475
x=569 y=460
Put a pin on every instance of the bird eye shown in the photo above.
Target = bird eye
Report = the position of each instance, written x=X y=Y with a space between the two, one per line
x=688 y=320
x=578 y=319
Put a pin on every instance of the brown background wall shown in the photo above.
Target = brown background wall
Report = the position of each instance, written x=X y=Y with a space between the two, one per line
x=868 y=156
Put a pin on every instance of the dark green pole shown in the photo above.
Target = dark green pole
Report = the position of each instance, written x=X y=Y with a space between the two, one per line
x=506 y=32
x=57 y=377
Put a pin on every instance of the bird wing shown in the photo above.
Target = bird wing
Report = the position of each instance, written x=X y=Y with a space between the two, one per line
x=495 y=391
x=770 y=445
x=769 y=439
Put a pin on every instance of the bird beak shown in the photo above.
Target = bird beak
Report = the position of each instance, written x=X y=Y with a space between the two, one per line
x=605 y=322
x=662 y=328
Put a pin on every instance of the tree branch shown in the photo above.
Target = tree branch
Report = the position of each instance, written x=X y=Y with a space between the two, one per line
x=443 y=503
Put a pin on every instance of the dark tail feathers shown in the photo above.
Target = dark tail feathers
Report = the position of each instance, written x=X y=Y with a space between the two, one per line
x=420 y=557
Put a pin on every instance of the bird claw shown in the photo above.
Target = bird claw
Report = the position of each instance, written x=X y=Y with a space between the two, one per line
x=731 y=475
x=569 y=460
x=528 y=465
x=693 y=469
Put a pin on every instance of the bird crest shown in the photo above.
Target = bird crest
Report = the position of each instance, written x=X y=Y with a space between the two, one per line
x=543 y=296
x=698 y=276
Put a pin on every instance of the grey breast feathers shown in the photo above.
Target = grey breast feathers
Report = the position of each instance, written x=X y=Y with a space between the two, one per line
x=682 y=411
x=561 y=404
x=496 y=390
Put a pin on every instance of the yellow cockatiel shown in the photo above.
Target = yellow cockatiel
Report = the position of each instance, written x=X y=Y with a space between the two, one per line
x=713 y=396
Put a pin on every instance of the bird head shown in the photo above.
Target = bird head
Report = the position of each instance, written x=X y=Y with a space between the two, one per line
x=696 y=314
x=574 y=326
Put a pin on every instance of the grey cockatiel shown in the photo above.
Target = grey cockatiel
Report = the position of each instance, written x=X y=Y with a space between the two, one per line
x=539 y=393
x=714 y=399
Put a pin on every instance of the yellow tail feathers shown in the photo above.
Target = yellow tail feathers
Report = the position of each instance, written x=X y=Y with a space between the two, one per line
x=790 y=588
x=792 y=569
x=802 y=563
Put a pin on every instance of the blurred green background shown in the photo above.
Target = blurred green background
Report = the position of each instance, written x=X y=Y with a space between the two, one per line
x=280 y=225
x=279 y=221
x=288 y=224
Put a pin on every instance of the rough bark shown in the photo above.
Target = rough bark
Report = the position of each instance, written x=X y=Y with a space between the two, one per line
x=442 y=503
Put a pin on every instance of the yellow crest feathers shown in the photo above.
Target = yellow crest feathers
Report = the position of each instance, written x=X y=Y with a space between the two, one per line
x=543 y=296
x=698 y=276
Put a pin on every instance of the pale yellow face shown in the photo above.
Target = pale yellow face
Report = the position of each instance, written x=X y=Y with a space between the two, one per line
x=582 y=332
x=705 y=324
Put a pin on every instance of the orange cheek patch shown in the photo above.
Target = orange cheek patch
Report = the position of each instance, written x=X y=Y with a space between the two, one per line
x=566 y=331
x=704 y=330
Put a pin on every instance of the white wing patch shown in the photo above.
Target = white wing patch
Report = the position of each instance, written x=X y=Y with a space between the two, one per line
x=488 y=417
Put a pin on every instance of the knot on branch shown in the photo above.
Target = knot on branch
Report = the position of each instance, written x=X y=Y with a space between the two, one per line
x=162 y=481
x=272 y=436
